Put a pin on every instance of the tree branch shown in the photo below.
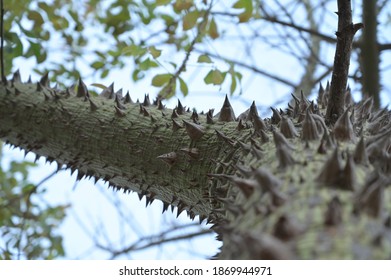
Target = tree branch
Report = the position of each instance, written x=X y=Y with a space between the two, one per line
x=3 y=78
x=345 y=34
x=249 y=67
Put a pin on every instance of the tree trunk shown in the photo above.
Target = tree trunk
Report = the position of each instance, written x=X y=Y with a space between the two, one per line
x=370 y=53
x=284 y=187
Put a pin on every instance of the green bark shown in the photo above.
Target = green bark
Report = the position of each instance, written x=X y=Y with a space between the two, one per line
x=129 y=148
x=283 y=187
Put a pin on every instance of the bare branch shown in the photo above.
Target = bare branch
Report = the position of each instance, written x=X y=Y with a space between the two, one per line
x=3 y=78
x=249 y=67
x=345 y=34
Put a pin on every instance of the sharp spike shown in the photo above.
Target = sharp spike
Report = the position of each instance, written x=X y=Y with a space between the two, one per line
x=194 y=131
x=165 y=207
x=360 y=153
x=16 y=77
x=108 y=92
x=118 y=94
x=304 y=103
x=93 y=106
x=270 y=184
x=343 y=128
x=169 y=158
x=247 y=186
x=119 y=112
x=119 y=103
x=309 y=130
x=160 y=105
x=174 y=114
x=147 y=101
x=127 y=98
x=348 y=175
x=175 y=125
x=276 y=117
x=82 y=90
x=365 y=109
x=287 y=128
x=284 y=156
x=280 y=140
x=330 y=172
x=226 y=113
x=320 y=95
x=180 y=109
x=209 y=117
x=326 y=94
x=264 y=136
x=240 y=125
x=193 y=153
x=144 y=111
x=224 y=138
x=194 y=117
x=44 y=81
x=348 y=97
x=371 y=197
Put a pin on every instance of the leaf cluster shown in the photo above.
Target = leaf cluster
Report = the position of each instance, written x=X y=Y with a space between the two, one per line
x=28 y=224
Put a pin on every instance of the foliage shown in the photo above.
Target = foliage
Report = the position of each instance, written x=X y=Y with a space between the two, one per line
x=28 y=224
x=104 y=35
x=161 y=38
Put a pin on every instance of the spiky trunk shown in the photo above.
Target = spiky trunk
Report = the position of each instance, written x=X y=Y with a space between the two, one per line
x=284 y=187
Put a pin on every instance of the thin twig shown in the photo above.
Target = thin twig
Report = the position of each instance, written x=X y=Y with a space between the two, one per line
x=170 y=85
x=3 y=78
x=252 y=68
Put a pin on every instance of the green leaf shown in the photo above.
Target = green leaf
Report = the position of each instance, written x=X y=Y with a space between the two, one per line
x=134 y=50
x=14 y=46
x=98 y=65
x=99 y=86
x=181 y=5
x=213 y=32
x=215 y=77
x=168 y=91
x=60 y=23
x=233 y=84
x=105 y=73
x=147 y=64
x=203 y=58
x=168 y=19
x=183 y=87
x=36 y=50
x=36 y=17
x=190 y=19
x=162 y=2
x=247 y=5
x=154 y=52
x=161 y=79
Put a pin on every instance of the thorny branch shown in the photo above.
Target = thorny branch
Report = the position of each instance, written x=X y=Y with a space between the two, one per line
x=345 y=34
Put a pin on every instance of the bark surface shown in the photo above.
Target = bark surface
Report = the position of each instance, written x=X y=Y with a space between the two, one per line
x=288 y=186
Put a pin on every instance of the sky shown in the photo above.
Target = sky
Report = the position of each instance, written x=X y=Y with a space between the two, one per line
x=90 y=203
